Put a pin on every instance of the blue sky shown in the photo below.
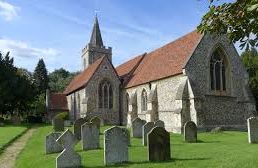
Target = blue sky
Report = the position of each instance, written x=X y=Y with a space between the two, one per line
x=57 y=30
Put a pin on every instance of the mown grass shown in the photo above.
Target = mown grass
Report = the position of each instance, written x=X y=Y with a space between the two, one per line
x=227 y=149
x=8 y=134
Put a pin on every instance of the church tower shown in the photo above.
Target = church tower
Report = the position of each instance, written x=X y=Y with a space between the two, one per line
x=95 y=48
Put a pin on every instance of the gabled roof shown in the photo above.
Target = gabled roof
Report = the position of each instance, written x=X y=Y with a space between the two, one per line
x=96 y=39
x=58 y=101
x=166 y=61
x=83 y=78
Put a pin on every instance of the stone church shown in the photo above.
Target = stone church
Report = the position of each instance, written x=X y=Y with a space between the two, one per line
x=196 y=77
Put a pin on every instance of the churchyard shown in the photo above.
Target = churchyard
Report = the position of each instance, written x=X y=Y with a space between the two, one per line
x=207 y=149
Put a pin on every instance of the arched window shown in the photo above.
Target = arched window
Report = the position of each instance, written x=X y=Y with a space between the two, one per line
x=144 y=100
x=105 y=95
x=217 y=71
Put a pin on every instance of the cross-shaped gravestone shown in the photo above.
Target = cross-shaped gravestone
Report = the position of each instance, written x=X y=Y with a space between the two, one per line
x=68 y=157
x=145 y=130
x=51 y=145
x=90 y=136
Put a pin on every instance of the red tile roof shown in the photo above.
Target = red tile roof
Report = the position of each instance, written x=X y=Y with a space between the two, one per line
x=58 y=101
x=166 y=61
x=82 y=79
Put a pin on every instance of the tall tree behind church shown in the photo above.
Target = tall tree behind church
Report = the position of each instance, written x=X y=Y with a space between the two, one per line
x=41 y=77
x=250 y=61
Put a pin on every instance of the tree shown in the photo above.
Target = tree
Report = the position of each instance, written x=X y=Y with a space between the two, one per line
x=250 y=61
x=41 y=77
x=59 y=79
x=238 y=20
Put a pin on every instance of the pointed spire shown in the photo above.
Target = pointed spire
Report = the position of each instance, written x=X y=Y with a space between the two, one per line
x=96 y=39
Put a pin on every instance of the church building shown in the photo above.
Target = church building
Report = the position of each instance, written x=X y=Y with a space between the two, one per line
x=196 y=77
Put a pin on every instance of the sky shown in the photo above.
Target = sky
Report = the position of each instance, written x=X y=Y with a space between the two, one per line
x=57 y=30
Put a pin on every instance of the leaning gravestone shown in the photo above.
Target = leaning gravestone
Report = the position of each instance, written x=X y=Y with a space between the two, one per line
x=159 y=123
x=68 y=157
x=252 y=124
x=145 y=130
x=51 y=145
x=137 y=127
x=158 y=144
x=58 y=124
x=190 y=132
x=97 y=121
x=115 y=145
x=77 y=127
x=90 y=136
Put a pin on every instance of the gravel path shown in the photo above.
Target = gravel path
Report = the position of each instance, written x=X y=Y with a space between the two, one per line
x=8 y=157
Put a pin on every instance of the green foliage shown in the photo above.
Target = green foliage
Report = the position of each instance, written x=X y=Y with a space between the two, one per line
x=41 y=77
x=59 y=79
x=38 y=105
x=16 y=90
x=238 y=20
x=62 y=115
x=250 y=61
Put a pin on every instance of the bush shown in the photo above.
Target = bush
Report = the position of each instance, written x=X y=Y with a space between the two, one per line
x=62 y=115
x=34 y=119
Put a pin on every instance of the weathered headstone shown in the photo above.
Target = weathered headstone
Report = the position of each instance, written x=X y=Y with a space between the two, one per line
x=158 y=144
x=159 y=123
x=77 y=127
x=145 y=130
x=252 y=124
x=58 y=124
x=51 y=145
x=115 y=145
x=97 y=121
x=137 y=127
x=190 y=132
x=68 y=157
x=90 y=136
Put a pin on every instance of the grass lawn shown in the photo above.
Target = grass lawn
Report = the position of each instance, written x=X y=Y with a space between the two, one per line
x=227 y=149
x=8 y=133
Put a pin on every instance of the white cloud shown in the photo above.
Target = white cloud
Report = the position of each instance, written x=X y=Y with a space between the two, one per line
x=8 y=11
x=21 y=49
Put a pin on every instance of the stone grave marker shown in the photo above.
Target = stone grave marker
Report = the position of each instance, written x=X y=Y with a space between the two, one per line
x=90 y=136
x=190 y=132
x=51 y=145
x=97 y=121
x=115 y=145
x=252 y=124
x=158 y=144
x=145 y=130
x=68 y=157
x=58 y=124
x=137 y=127
x=159 y=123
x=77 y=127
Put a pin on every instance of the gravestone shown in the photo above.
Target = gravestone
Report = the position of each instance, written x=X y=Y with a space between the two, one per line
x=159 y=123
x=252 y=124
x=145 y=130
x=97 y=121
x=158 y=144
x=58 y=124
x=115 y=145
x=137 y=127
x=90 y=136
x=190 y=132
x=51 y=145
x=77 y=127
x=1 y=121
x=68 y=157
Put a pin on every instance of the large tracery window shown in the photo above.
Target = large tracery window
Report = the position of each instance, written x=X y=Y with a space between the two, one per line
x=217 y=71
x=105 y=95
x=144 y=100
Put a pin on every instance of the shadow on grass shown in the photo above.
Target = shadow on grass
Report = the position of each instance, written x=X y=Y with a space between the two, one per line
x=127 y=164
